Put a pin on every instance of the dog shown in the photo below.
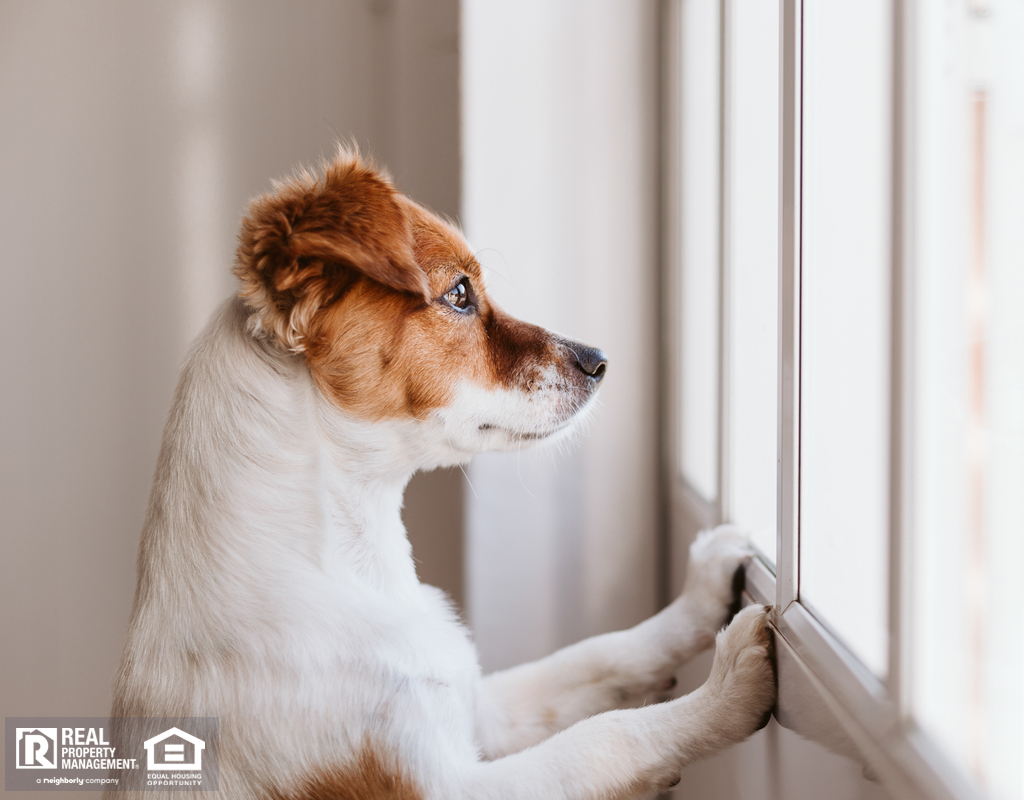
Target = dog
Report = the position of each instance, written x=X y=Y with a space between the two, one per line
x=276 y=587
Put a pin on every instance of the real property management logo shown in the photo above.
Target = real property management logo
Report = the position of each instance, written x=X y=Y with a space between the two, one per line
x=36 y=748
x=115 y=754
x=85 y=747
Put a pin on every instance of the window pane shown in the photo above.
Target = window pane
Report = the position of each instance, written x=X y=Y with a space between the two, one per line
x=844 y=467
x=700 y=231
x=967 y=676
x=753 y=265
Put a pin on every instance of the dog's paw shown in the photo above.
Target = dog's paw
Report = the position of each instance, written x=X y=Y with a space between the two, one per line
x=742 y=684
x=714 y=576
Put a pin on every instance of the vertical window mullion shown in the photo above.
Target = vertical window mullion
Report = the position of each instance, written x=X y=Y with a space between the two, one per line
x=788 y=561
x=900 y=382
x=724 y=320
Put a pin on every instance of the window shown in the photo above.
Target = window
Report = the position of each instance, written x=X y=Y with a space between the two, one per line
x=845 y=255
x=966 y=387
x=845 y=338
x=700 y=245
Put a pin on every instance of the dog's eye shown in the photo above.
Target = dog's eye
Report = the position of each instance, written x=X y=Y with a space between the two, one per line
x=458 y=295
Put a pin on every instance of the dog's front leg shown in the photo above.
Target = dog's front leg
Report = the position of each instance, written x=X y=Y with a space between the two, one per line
x=636 y=752
x=519 y=707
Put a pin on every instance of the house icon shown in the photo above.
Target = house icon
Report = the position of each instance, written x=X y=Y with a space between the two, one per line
x=174 y=749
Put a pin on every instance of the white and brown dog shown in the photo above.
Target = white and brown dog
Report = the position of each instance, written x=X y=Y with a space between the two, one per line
x=276 y=585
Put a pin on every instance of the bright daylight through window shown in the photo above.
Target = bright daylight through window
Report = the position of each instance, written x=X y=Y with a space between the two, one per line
x=845 y=340
x=966 y=647
x=904 y=390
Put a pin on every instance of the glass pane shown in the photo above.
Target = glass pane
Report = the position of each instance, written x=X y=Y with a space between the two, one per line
x=753 y=265
x=700 y=293
x=844 y=466
x=967 y=654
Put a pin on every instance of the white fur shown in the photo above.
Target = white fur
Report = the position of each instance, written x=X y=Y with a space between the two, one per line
x=511 y=419
x=278 y=593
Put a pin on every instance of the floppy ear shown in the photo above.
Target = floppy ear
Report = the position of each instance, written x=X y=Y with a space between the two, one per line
x=304 y=243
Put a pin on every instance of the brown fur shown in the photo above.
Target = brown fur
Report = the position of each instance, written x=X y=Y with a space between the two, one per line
x=351 y=272
x=369 y=778
x=302 y=244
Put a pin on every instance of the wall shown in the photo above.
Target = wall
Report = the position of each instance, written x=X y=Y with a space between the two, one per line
x=131 y=136
x=559 y=134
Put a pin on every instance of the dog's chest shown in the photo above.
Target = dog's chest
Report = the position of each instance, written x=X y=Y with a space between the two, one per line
x=435 y=645
x=415 y=668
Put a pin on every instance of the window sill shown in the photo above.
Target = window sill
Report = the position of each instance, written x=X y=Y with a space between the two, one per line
x=827 y=696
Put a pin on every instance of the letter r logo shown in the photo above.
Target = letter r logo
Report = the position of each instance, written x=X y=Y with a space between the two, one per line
x=36 y=748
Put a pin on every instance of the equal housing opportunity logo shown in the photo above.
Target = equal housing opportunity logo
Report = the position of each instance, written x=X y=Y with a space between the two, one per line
x=119 y=754
x=174 y=749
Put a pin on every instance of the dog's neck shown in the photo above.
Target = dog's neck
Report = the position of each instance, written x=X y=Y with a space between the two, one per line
x=361 y=483
x=290 y=484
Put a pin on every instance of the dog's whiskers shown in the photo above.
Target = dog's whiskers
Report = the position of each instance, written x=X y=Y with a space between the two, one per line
x=465 y=474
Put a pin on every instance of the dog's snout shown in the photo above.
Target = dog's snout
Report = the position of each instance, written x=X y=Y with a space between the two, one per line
x=590 y=360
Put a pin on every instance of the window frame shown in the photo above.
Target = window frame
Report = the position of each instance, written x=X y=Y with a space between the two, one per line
x=874 y=713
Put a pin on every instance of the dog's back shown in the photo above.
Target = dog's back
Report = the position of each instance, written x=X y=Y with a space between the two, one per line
x=246 y=612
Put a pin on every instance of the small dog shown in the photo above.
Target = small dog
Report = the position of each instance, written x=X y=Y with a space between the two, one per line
x=276 y=585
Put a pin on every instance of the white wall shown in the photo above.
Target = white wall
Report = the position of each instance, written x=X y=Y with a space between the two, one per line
x=131 y=136
x=559 y=137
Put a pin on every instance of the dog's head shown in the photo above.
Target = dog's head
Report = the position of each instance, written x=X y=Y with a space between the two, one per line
x=388 y=306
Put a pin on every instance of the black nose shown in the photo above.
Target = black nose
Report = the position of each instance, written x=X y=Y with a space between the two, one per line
x=590 y=360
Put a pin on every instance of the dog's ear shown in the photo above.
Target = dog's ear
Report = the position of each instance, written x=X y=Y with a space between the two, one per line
x=304 y=243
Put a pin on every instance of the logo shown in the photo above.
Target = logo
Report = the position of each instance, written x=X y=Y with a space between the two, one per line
x=36 y=748
x=90 y=754
x=174 y=749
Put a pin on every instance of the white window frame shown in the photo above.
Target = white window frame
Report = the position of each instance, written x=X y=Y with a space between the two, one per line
x=873 y=713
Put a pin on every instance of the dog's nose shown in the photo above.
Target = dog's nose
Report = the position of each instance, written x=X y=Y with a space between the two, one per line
x=591 y=361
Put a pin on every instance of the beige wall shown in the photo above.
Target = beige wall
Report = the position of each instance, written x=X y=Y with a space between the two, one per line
x=131 y=135
x=560 y=199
